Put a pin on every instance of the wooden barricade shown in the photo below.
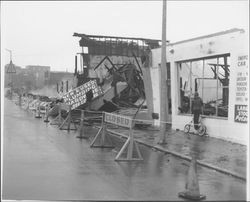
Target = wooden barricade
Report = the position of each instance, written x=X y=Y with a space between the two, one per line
x=38 y=110
x=59 y=119
x=103 y=136
x=46 y=116
x=20 y=100
x=68 y=121
x=130 y=150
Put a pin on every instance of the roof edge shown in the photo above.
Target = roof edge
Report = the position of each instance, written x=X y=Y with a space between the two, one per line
x=210 y=35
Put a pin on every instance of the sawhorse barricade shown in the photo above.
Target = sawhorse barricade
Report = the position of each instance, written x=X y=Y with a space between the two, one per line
x=103 y=136
x=68 y=121
x=59 y=119
x=130 y=149
x=38 y=110
x=86 y=116
x=46 y=116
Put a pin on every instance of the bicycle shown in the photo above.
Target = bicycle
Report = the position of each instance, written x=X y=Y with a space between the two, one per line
x=201 y=130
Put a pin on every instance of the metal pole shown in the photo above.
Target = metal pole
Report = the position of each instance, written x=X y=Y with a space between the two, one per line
x=163 y=76
x=217 y=86
x=11 y=76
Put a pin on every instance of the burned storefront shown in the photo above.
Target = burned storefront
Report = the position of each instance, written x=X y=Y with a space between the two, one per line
x=118 y=65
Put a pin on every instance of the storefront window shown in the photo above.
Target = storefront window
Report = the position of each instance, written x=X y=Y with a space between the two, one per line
x=210 y=78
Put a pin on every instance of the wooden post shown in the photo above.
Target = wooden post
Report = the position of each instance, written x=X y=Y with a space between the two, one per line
x=163 y=84
x=20 y=100
x=69 y=117
x=81 y=128
x=38 y=112
x=28 y=104
x=58 y=119
x=46 y=114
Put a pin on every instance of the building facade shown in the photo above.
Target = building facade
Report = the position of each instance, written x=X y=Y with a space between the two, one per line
x=40 y=73
x=216 y=66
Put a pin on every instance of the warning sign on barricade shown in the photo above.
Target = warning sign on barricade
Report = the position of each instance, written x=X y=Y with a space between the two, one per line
x=130 y=150
x=78 y=96
x=118 y=120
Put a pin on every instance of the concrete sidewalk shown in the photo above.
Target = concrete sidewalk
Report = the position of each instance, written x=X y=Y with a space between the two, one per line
x=224 y=155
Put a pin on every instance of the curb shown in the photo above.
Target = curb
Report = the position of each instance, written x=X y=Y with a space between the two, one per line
x=201 y=163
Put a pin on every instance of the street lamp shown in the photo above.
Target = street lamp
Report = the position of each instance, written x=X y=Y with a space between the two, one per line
x=11 y=70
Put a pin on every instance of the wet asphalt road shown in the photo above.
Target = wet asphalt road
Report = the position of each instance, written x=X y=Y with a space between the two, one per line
x=44 y=163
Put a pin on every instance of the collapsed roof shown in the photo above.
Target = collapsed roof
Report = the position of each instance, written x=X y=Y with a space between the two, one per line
x=111 y=45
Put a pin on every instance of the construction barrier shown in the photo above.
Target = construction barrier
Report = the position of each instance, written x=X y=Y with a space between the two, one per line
x=46 y=116
x=103 y=136
x=20 y=100
x=38 y=110
x=68 y=121
x=192 y=191
x=59 y=119
x=33 y=104
x=130 y=150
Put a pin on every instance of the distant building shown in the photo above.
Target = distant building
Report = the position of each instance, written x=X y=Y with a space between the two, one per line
x=41 y=74
x=64 y=81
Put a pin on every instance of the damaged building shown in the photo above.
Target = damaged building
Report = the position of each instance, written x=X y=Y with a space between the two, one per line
x=119 y=65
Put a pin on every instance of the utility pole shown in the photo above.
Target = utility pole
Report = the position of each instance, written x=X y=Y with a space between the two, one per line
x=163 y=78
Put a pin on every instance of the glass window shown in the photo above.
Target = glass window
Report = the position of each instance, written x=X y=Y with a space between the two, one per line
x=210 y=78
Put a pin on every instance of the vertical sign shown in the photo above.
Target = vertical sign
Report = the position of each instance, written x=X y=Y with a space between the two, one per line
x=241 y=106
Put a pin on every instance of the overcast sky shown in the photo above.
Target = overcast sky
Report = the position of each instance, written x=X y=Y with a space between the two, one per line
x=40 y=33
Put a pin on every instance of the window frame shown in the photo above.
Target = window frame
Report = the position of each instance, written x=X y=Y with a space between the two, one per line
x=203 y=59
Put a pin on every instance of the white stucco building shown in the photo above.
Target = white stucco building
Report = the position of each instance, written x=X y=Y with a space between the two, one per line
x=216 y=66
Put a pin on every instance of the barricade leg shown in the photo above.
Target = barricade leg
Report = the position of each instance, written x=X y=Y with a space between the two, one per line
x=104 y=138
x=58 y=120
x=132 y=154
x=20 y=100
x=38 y=112
x=46 y=118
x=81 y=128
x=67 y=122
x=28 y=105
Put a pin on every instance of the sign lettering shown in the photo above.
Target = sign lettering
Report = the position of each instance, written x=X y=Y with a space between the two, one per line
x=241 y=113
x=119 y=120
x=77 y=96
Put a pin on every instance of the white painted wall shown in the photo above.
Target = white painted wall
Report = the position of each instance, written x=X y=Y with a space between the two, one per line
x=235 y=43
